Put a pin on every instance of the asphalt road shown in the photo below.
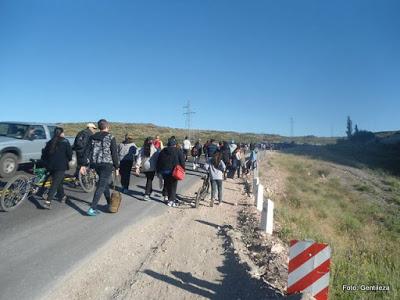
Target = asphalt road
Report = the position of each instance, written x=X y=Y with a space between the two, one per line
x=39 y=247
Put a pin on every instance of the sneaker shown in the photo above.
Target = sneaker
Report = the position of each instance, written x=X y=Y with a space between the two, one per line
x=171 y=203
x=47 y=204
x=165 y=198
x=64 y=199
x=91 y=212
x=146 y=198
x=125 y=191
x=175 y=204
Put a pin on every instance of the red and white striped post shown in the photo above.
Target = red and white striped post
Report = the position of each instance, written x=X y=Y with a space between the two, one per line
x=309 y=268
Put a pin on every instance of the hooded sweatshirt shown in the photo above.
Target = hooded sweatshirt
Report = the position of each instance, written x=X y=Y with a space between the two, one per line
x=102 y=150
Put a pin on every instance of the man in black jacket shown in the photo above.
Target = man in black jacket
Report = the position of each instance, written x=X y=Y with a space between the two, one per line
x=80 y=143
x=102 y=154
x=168 y=159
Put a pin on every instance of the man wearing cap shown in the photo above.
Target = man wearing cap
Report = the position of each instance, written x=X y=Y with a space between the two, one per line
x=80 y=143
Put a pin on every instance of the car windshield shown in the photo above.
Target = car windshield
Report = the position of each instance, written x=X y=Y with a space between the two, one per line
x=13 y=130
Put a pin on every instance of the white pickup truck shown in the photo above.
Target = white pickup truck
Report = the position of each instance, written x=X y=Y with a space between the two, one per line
x=20 y=142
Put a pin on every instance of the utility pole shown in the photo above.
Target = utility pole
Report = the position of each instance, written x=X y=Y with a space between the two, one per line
x=291 y=127
x=188 y=118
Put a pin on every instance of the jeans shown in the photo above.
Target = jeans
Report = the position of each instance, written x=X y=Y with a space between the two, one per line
x=57 y=181
x=170 y=186
x=149 y=182
x=125 y=171
x=103 y=185
x=216 y=185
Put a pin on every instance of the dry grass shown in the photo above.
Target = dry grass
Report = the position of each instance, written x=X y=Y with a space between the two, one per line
x=355 y=211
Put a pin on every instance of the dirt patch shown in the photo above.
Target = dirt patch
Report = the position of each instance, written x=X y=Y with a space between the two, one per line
x=186 y=253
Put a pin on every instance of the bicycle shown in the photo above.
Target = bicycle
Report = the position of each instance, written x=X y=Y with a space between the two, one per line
x=203 y=191
x=20 y=187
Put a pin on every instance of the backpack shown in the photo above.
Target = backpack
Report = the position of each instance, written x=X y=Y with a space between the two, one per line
x=80 y=141
x=101 y=150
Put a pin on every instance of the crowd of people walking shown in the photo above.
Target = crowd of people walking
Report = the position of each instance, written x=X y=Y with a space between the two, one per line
x=97 y=148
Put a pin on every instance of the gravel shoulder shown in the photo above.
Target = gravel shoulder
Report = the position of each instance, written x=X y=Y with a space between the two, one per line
x=185 y=253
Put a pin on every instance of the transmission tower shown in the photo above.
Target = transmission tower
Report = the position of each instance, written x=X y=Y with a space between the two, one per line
x=291 y=127
x=188 y=118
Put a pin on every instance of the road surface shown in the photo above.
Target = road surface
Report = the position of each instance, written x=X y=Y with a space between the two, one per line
x=39 y=247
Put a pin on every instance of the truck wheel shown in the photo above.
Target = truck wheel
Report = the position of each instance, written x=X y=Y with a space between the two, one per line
x=8 y=165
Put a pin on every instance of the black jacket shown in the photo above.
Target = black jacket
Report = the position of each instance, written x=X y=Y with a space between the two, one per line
x=110 y=152
x=226 y=154
x=81 y=141
x=59 y=159
x=168 y=158
x=211 y=149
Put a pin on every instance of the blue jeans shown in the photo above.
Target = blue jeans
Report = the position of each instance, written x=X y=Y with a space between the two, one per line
x=216 y=185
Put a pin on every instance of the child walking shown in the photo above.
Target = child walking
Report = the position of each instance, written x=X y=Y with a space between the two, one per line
x=216 y=169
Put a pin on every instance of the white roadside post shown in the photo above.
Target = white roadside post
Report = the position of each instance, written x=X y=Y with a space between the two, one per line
x=256 y=169
x=267 y=217
x=256 y=182
x=260 y=197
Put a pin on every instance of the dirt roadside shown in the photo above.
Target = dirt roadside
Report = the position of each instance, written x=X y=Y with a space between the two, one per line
x=184 y=254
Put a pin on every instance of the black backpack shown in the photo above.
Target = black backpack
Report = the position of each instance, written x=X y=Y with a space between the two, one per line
x=80 y=141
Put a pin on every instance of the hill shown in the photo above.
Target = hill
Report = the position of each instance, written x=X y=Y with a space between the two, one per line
x=142 y=130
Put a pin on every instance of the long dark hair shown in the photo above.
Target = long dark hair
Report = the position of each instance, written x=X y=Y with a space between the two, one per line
x=216 y=160
x=147 y=146
x=58 y=131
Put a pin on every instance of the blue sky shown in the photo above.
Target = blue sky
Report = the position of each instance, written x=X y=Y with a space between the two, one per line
x=245 y=65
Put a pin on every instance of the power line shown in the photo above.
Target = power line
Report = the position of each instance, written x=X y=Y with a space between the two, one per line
x=188 y=118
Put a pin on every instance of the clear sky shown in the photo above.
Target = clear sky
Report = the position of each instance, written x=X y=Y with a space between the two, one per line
x=245 y=65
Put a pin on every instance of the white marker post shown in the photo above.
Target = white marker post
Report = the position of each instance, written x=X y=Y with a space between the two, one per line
x=260 y=197
x=256 y=182
x=267 y=217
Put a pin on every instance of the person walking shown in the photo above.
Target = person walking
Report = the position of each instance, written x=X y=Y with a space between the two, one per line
x=147 y=161
x=196 y=153
x=56 y=155
x=252 y=161
x=232 y=146
x=158 y=143
x=80 y=143
x=226 y=156
x=243 y=159
x=236 y=162
x=126 y=153
x=187 y=145
x=205 y=146
x=216 y=168
x=102 y=155
x=212 y=148
x=168 y=159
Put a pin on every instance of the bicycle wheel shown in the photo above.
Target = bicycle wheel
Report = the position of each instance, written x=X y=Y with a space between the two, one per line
x=88 y=181
x=14 y=192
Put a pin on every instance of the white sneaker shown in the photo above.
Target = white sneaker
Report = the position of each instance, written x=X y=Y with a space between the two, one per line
x=165 y=198
x=146 y=198
x=170 y=203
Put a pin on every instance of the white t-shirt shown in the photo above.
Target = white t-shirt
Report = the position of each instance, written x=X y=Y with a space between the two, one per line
x=186 y=144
